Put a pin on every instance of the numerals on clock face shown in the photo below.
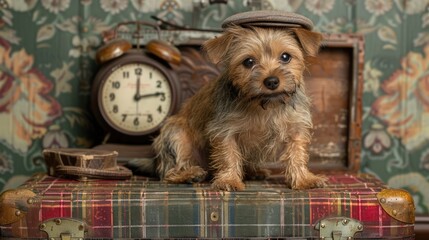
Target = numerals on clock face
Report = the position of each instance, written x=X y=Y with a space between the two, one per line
x=136 y=97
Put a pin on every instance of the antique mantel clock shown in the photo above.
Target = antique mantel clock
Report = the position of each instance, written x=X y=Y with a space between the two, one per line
x=135 y=88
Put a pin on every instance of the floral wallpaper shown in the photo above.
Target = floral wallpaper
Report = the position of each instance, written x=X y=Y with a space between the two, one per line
x=47 y=50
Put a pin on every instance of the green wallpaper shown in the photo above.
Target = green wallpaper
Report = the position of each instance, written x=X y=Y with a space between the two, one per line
x=47 y=50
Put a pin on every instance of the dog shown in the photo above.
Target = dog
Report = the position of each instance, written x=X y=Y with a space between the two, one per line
x=255 y=112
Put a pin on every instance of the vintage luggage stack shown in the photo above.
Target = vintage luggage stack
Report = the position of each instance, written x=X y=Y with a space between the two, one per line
x=352 y=206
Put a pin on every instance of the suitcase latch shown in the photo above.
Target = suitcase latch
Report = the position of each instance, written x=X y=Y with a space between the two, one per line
x=338 y=228
x=63 y=229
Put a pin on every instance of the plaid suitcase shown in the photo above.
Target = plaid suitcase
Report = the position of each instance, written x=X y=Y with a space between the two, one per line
x=352 y=206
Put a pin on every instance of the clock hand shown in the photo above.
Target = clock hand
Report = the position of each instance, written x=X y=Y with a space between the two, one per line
x=156 y=94
x=137 y=95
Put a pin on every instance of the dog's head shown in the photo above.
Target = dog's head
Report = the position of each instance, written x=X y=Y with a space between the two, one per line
x=264 y=64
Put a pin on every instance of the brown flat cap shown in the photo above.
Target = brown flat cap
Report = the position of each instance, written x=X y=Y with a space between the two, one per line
x=268 y=18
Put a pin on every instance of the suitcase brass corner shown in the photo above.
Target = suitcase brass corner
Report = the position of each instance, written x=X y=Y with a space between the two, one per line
x=63 y=228
x=398 y=204
x=14 y=205
x=337 y=228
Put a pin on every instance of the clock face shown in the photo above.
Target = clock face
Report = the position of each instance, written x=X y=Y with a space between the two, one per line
x=136 y=98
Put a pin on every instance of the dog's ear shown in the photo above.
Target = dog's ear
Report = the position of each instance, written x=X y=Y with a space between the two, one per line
x=216 y=49
x=310 y=41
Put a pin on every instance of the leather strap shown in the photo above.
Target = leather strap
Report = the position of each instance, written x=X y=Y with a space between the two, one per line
x=119 y=172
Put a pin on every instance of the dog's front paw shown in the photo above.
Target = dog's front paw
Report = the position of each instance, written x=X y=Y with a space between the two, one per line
x=189 y=175
x=310 y=181
x=228 y=184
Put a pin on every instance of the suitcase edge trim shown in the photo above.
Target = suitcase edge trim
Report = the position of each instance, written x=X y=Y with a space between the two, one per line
x=14 y=204
x=398 y=204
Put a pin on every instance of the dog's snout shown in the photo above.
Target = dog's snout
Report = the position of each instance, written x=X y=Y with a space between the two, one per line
x=271 y=82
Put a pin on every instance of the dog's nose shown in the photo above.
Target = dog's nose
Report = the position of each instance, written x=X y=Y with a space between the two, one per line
x=271 y=82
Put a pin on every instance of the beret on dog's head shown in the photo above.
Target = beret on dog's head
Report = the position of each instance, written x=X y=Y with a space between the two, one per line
x=268 y=18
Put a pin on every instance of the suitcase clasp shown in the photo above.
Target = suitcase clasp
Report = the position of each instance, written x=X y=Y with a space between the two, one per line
x=63 y=229
x=338 y=228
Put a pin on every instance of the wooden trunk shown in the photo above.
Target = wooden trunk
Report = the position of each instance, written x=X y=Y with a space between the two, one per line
x=334 y=83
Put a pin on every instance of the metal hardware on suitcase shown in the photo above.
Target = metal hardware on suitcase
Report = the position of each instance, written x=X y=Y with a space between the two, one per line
x=352 y=206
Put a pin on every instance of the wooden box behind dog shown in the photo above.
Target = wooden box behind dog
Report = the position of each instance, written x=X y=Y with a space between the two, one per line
x=334 y=84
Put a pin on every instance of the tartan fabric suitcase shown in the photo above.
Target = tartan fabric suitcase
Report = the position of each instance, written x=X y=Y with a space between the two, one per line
x=352 y=206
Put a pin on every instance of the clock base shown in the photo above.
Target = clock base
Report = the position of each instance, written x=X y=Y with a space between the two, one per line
x=128 y=152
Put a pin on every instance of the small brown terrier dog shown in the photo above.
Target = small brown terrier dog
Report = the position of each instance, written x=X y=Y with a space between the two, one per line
x=256 y=112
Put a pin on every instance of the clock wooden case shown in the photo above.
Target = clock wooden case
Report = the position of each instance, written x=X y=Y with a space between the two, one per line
x=135 y=89
x=132 y=96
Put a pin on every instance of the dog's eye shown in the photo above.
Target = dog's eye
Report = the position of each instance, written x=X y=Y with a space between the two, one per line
x=285 y=58
x=248 y=62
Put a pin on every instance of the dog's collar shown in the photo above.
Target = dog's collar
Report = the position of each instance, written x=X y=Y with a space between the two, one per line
x=268 y=18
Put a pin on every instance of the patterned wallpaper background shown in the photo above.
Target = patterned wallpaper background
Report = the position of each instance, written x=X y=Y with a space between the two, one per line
x=47 y=50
